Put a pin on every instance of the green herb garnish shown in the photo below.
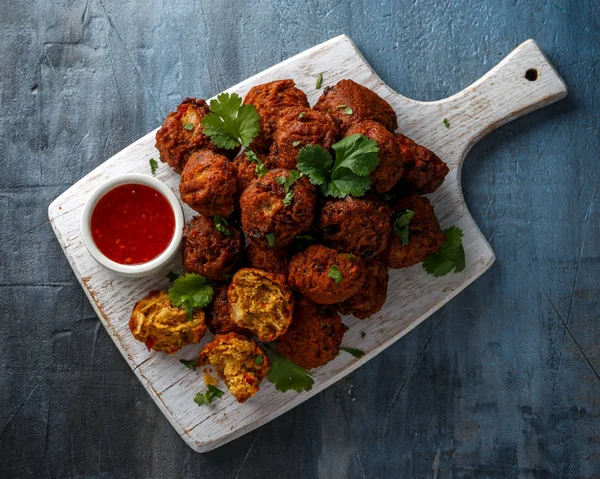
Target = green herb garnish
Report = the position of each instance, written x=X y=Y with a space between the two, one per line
x=348 y=110
x=229 y=123
x=189 y=363
x=319 y=81
x=188 y=126
x=446 y=123
x=206 y=398
x=153 y=165
x=289 y=196
x=401 y=223
x=295 y=143
x=221 y=225
x=259 y=359
x=261 y=169
x=190 y=292
x=335 y=273
x=355 y=158
x=172 y=276
x=451 y=255
x=357 y=353
x=286 y=375
x=301 y=114
x=270 y=238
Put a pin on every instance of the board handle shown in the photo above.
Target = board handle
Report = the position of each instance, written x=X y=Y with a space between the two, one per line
x=524 y=81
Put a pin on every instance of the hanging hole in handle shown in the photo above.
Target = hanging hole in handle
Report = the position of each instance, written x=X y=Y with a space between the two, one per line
x=531 y=74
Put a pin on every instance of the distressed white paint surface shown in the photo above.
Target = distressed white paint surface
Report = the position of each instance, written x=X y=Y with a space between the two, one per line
x=498 y=97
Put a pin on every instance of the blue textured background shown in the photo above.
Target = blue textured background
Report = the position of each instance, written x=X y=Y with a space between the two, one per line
x=503 y=382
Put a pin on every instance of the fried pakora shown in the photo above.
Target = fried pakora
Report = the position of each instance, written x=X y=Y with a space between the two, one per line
x=326 y=276
x=209 y=252
x=274 y=260
x=270 y=221
x=349 y=103
x=373 y=293
x=315 y=336
x=390 y=167
x=424 y=171
x=208 y=184
x=239 y=361
x=261 y=302
x=164 y=327
x=359 y=226
x=269 y=99
x=297 y=128
x=425 y=235
x=218 y=314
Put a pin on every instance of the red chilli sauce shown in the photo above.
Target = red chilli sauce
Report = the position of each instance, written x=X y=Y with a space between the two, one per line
x=132 y=224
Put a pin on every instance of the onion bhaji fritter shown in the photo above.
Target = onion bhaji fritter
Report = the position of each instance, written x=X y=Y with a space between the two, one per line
x=296 y=128
x=264 y=212
x=315 y=336
x=390 y=167
x=235 y=358
x=349 y=103
x=274 y=260
x=181 y=133
x=218 y=314
x=261 y=302
x=207 y=184
x=359 y=226
x=209 y=252
x=373 y=293
x=164 y=327
x=325 y=276
x=245 y=171
x=269 y=99
x=425 y=235
x=424 y=171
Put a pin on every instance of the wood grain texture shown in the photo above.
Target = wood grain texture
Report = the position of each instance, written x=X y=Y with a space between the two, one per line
x=492 y=385
x=500 y=96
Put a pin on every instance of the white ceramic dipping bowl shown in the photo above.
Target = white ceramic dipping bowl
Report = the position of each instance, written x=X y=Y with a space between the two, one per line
x=132 y=270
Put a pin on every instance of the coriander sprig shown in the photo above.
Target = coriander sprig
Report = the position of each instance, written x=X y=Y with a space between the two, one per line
x=451 y=255
x=190 y=292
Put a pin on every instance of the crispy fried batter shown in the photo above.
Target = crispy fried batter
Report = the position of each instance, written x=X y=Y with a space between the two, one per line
x=207 y=184
x=296 y=128
x=315 y=336
x=262 y=302
x=164 y=327
x=424 y=171
x=390 y=167
x=373 y=293
x=263 y=210
x=209 y=252
x=309 y=274
x=269 y=100
x=425 y=234
x=364 y=103
x=274 y=260
x=356 y=225
x=235 y=358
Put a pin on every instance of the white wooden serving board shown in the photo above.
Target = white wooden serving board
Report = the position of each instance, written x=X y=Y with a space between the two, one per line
x=500 y=96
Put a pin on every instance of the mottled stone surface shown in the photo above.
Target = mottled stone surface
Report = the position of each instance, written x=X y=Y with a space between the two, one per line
x=502 y=382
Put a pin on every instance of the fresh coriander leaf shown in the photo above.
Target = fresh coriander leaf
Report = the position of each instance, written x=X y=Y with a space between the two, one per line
x=344 y=183
x=341 y=106
x=358 y=153
x=280 y=180
x=189 y=363
x=335 y=273
x=446 y=123
x=295 y=143
x=188 y=126
x=286 y=375
x=348 y=111
x=172 y=276
x=288 y=181
x=301 y=114
x=190 y=292
x=270 y=238
x=207 y=397
x=229 y=123
x=357 y=353
x=153 y=165
x=363 y=334
x=287 y=200
x=401 y=223
x=221 y=225
x=314 y=161
x=259 y=359
x=319 y=81
x=451 y=255
x=261 y=169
